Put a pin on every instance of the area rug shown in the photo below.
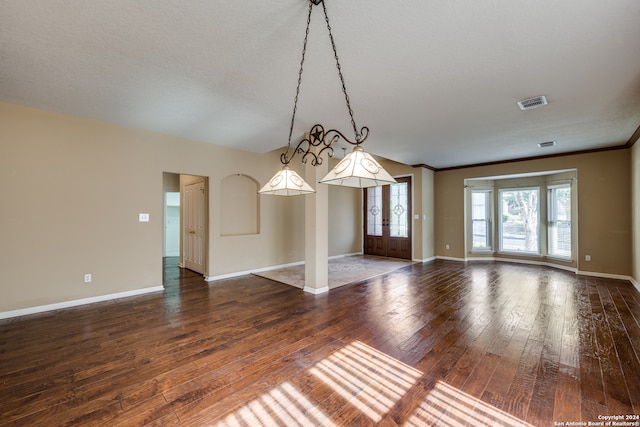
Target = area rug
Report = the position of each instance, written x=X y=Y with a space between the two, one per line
x=342 y=271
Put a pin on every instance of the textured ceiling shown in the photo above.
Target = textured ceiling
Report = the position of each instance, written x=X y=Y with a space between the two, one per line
x=436 y=81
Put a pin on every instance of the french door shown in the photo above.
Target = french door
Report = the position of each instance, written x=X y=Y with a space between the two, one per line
x=387 y=219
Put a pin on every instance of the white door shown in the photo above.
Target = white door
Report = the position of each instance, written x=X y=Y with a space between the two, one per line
x=194 y=223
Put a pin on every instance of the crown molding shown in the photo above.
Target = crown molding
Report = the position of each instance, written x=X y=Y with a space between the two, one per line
x=524 y=159
x=634 y=138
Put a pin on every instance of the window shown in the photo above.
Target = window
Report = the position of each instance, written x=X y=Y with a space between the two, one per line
x=559 y=223
x=526 y=215
x=481 y=220
x=519 y=218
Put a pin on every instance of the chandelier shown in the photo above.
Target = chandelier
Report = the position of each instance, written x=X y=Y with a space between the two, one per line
x=357 y=169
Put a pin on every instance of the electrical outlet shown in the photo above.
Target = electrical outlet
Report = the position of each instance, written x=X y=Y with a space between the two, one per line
x=143 y=217
x=587 y=257
x=87 y=278
x=447 y=247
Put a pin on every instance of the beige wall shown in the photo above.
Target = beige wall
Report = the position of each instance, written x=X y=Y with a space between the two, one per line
x=171 y=182
x=604 y=206
x=240 y=206
x=73 y=188
x=72 y=191
x=635 y=197
x=345 y=220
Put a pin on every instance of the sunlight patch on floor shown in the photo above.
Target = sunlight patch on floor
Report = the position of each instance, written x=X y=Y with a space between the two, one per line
x=449 y=407
x=366 y=378
x=282 y=406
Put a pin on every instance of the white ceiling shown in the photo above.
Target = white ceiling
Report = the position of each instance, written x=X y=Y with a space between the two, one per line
x=436 y=81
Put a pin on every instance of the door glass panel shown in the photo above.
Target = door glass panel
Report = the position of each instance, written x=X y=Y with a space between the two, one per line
x=374 y=211
x=399 y=210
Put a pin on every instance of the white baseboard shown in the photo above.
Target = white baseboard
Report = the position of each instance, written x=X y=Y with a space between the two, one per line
x=549 y=264
x=604 y=275
x=316 y=291
x=542 y=263
x=253 y=270
x=345 y=255
x=75 y=303
x=433 y=258
x=449 y=258
x=272 y=267
x=481 y=258
x=513 y=260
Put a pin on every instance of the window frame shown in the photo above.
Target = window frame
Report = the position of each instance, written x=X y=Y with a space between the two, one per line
x=489 y=220
x=551 y=220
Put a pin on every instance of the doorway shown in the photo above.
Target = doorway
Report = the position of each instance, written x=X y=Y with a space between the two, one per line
x=172 y=224
x=387 y=220
x=186 y=221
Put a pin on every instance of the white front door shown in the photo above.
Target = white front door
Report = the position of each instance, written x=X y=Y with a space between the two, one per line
x=194 y=223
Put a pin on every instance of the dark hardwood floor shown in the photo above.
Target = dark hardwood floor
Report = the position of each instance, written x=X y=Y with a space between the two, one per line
x=442 y=343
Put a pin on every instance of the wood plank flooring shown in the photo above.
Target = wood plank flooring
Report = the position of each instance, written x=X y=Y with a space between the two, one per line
x=443 y=343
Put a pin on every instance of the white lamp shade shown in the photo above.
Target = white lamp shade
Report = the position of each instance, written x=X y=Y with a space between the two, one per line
x=286 y=182
x=358 y=169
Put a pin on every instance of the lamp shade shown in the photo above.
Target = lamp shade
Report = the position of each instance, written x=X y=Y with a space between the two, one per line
x=358 y=169
x=286 y=182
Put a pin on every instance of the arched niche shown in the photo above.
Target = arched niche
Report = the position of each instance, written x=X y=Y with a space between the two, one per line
x=240 y=206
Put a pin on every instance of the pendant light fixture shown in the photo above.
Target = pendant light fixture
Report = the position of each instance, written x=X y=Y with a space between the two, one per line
x=357 y=169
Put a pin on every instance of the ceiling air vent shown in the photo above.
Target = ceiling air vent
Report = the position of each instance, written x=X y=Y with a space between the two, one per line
x=531 y=103
x=546 y=144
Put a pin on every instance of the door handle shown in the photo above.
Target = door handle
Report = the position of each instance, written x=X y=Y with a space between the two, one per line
x=192 y=232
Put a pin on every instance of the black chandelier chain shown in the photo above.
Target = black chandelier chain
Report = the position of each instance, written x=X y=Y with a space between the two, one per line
x=344 y=87
x=317 y=135
x=304 y=52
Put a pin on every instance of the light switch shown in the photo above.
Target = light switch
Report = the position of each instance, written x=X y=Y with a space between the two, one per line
x=416 y=216
x=144 y=217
